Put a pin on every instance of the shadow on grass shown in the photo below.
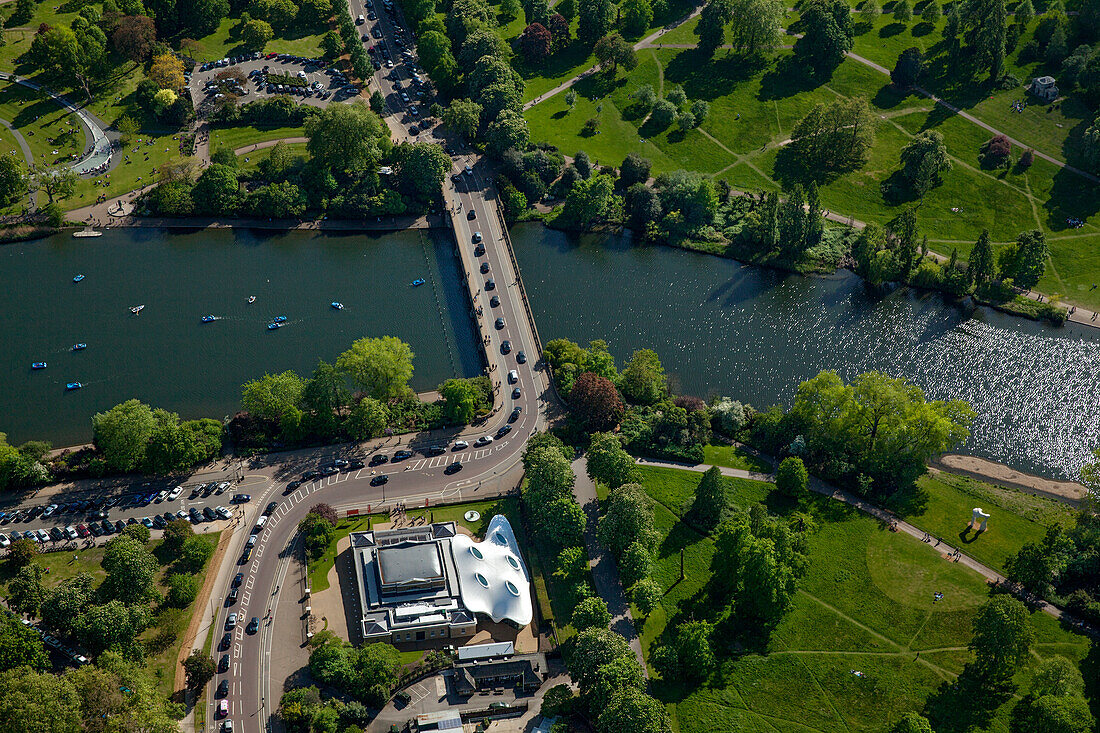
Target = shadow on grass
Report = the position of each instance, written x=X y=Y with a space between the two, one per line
x=889 y=31
x=788 y=78
x=1071 y=196
x=967 y=704
x=706 y=77
x=922 y=29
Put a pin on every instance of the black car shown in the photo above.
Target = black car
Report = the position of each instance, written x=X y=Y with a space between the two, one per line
x=479 y=250
x=505 y=347
x=310 y=475
x=227 y=639
x=253 y=625
x=521 y=357
x=355 y=464
x=237 y=579
x=56 y=534
x=379 y=480
x=471 y=215
x=223 y=663
x=120 y=525
x=94 y=529
x=271 y=507
x=494 y=302
x=329 y=470
x=195 y=492
x=402 y=455
x=106 y=526
x=515 y=393
x=195 y=515
x=291 y=486
x=210 y=514
x=484 y=267
x=490 y=285
x=159 y=522
x=504 y=430
x=232 y=597
x=435 y=450
x=499 y=323
x=378 y=459
x=453 y=468
x=223 y=689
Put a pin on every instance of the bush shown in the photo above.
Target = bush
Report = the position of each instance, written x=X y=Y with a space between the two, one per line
x=182 y=590
x=996 y=152
x=591 y=127
x=792 y=478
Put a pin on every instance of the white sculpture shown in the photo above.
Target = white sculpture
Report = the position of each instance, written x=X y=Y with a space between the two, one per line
x=979 y=515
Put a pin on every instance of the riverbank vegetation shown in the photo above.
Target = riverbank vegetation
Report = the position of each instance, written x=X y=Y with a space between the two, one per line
x=852 y=636
x=126 y=605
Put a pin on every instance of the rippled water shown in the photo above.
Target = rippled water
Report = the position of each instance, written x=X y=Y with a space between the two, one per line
x=754 y=334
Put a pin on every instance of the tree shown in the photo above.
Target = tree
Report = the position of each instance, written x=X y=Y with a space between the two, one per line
x=981 y=266
x=22 y=645
x=637 y=15
x=713 y=19
x=590 y=650
x=273 y=396
x=912 y=723
x=508 y=130
x=908 y=68
x=646 y=595
x=463 y=116
x=535 y=41
x=1037 y=565
x=459 y=401
x=510 y=9
x=25 y=591
x=113 y=626
x=347 y=137
x=629 y=518
x=826 y=41
x=122 y=433
x=317 y=533
x=613 y=51
x=1090 y=147
x=175 y=534
x=313 y=13
x=13 y=180
x=138 y=532
x=792 y=478
x=1002 y=637
x=166 y=71
x=131 y=570
x=134 y=37
x=183 y=588
x=332 y=46
x=635 y=563
x=613 y=678
x=24 y=11
x=194 y=554
x=932 y=13
x=58 y=183
x=996 y=152
x=1024 y=13
x=986 y=25
x=21 y=552
x=756 y=25
x=39 y=701
x=381 y=367
x=596 y=402
x=643 y=378
x=424 y=166
x=367 y=419
x=594 y=20
x=923 y=159
x=903 y=11
x=633 y=711
x=591 y=613
x=608 y=463
x=1026 y=259
x=710 y=499
x=256 y=33
x=834 y=136
x=199 y=669
x=1054 y=714
x=635 y=169
x=1057 y=676
x=218 y=190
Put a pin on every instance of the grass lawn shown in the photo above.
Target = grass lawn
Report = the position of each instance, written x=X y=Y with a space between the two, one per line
x=864 y=604
x=225 y=41
x=251 y=161
x=941 y=504
x=239 y=136
x=53 y=134
x=734 y=456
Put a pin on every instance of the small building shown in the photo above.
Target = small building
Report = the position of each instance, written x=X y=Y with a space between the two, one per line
x=443 y=720
x=519 y=672
x=485 y=652
x=1044 y=88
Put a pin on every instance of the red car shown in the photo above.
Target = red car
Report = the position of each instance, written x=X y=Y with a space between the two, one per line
x=82 y=530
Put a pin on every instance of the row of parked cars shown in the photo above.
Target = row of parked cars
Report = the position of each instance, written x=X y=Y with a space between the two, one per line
x=284 y=57
x=52 y=641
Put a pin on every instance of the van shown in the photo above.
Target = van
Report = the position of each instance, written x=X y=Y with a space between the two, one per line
x=360 y=20
x=260 y=523
x=513 y=377
x=251 y=542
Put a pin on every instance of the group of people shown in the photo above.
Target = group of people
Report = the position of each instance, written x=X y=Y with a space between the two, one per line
x=1074 y=222
x=1019 y=105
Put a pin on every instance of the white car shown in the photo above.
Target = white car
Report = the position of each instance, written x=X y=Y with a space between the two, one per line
x=461 y=445
x=483 y=440
x=175 y=493
x=71 y=533
x=4 y=541
x=231 y=622
x=162 y=496
x=49 y=510
x=223 y=512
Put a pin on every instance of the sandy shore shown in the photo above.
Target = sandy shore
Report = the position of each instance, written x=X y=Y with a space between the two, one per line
x=998 y=473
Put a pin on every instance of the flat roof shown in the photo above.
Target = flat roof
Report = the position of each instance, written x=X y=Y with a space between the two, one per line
x=486 y=651
x=409 y=563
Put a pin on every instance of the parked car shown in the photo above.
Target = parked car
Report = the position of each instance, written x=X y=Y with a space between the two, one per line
x=271 y=507
x=402 y=455
x=223 y=663
x=242 y=498
x=175 y=493
x=227 y=640
x=378 y=459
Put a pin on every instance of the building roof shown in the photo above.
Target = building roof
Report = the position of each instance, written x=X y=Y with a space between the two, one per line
x=442 y=720
x=468 y=676
x=485 y=651
x=409 y=563
x=492 y=576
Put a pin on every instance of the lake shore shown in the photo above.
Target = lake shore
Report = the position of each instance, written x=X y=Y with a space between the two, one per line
x=982 y=469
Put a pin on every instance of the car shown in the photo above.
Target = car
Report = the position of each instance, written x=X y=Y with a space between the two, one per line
x=389 y=64
x=209 y=514
x=83 y=531
x=355 y=464
x=484 y=267
x=181 y=514
x=378 y=459
x=4 y=541
x=402 y=699
x=490 y=285
x=404 y=97
x=159 y=523
x=232 y=597
x=221 y=487
x=242 y=498
x=251 y=541
x=227 y=639
x=360 y=20
x=223 y=663
x=106 y=526
x=483 y=440
x=498 y=705
x=494 y=302
x=454 y=467
x=271 y=507
x=499 y=323
x=476 y=238
x=144 y=520
x=460 y=445
x=56 y=534
x=120 y=525
x=132 y=520
x=340 y=462
x=291 y=486
x=169 y=517
x=44 y=536
x=515 y=413
x=246 y=555
x=227 y=726
x=468 y=171
x=209 y=489
x=161 y=496
x=457 y=177
x=471 y=215
x=195 y=492
x=436 y=450
x=402 y=455
x=479 y=250
x=310 y=475
x=504 y=430
x=223 y=705
x=231 y=621
x=372 y=15
x=515 y=393
x=521 y=357
x=505 y=346
x=48 y=511
x=375 y=32
x=194 y=514
x=379 y=479
x=175 y=493
x=223 y=512
x=237 y=579
x=329 y=470
x=253 y=625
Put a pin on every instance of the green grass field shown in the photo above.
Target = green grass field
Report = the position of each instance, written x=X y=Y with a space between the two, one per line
x=240 y=136
x=865 y=604
x=225 y=41
x=731 y=456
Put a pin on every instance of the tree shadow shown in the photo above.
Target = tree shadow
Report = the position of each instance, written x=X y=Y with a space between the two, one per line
x=705 y=77
x=889 y=31
x=889 y=96
x=788 y=78
x=1071 y=197
x=908 y=501
x=862 y=27
x=966 y=704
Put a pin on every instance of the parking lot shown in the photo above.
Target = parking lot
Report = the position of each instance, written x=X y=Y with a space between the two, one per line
x=309 y=81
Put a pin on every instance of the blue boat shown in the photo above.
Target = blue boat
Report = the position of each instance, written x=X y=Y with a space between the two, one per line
x=79 y=347
x=418 y=282
x=273 y=326
x=73 y=385
x=208 y=319
x=38 y=365
x=279 y=319
x=338 y=306
x=78 y=278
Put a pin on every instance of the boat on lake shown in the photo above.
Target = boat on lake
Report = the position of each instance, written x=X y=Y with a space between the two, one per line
x=73 y=385
x=137 y=308
x=87 y=232
x=79 y=347
x=78 y=278
x=38 y=365
x=273 y=326
x=338 y=306
x=279 y=319
x=208 y=319
x=418 y=282
x=252 y=299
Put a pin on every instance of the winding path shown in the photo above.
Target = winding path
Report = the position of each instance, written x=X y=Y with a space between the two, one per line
x=28 y=158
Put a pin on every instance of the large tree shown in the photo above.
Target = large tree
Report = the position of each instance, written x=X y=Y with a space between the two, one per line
x=131 y=571
x=607 y=462
x=834 y=136
x=122 y=434
x=1003 y=637
x=381 y=367
x=710 y=499
x=596 y=402
x=628 y=518
x=632 y=711
x=981 y=266
x=199 y=669
x=1025 y=261
x=827 y=38
x=590 y=650
x=134 y=37
x=923 y=159
x=613 y=51
x=643 y=378
x=347 y=137
x=711 y=27
x=39 y=702
x=595 y=19
x=756 y=25
x=22 y=645
x=986 y=26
